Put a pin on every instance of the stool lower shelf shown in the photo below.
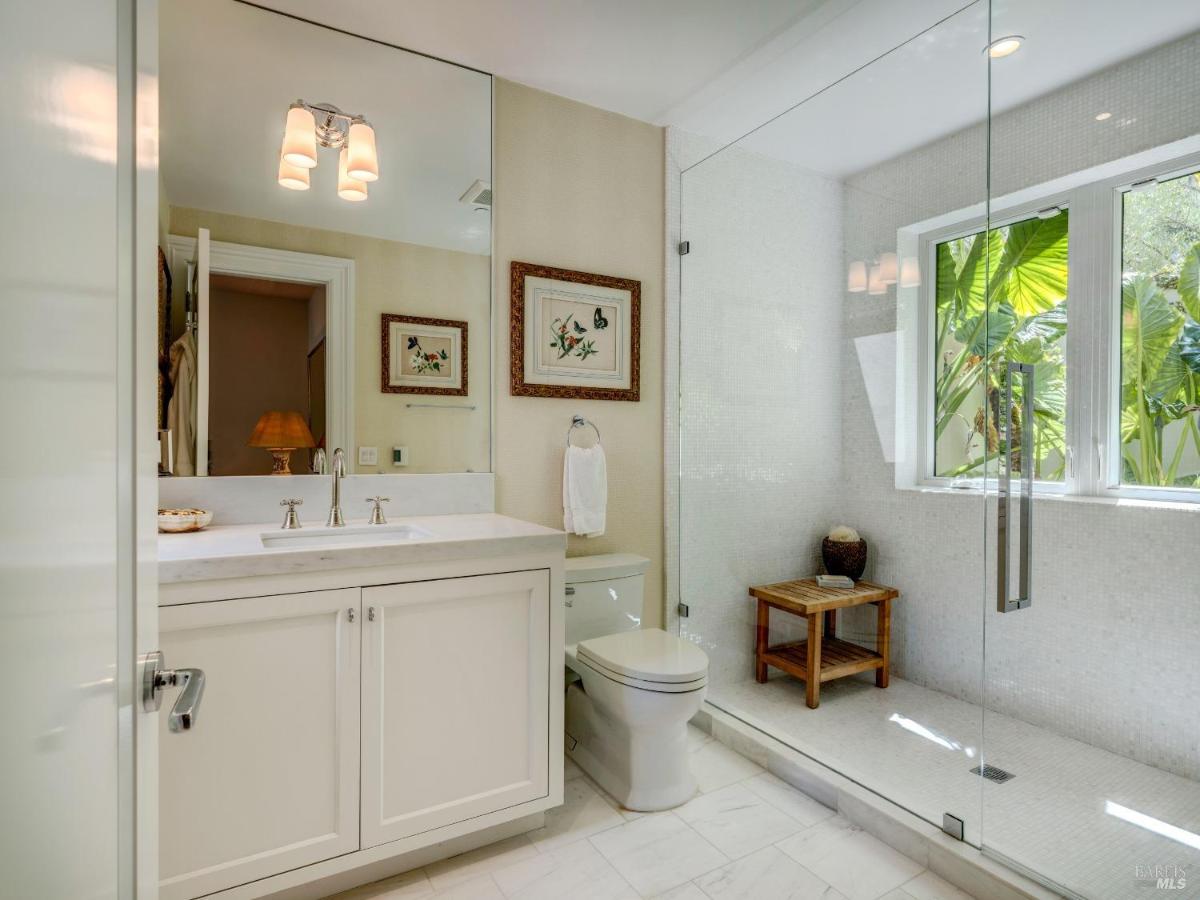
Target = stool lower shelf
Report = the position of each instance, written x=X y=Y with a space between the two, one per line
x=838 y=658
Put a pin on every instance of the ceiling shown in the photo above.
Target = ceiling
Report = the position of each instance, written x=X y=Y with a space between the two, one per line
x=637 y=57
x=721 y=68
x=937 y=82
x=228 y=73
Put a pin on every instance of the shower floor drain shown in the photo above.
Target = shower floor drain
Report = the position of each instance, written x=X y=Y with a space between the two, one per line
x=993 y=773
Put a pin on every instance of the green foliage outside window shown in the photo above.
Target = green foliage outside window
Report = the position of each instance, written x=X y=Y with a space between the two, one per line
x=1160 y=335
x=1001 y=297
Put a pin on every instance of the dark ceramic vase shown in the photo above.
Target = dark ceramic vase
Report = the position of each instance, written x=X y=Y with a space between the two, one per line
x=844 y=557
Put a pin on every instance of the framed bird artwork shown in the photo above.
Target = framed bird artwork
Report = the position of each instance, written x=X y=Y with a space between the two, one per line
x=574 y=334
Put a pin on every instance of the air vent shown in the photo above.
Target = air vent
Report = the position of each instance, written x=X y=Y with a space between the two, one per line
x=993 y=773
x=478 y=195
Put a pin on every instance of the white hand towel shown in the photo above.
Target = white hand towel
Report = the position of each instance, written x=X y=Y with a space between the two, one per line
x=585 y=490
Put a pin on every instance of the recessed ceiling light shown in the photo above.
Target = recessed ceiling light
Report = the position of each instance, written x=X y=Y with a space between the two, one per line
x=1102 y=116
x=1004 y=46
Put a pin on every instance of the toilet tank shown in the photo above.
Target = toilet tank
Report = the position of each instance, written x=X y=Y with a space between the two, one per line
x=604 y=595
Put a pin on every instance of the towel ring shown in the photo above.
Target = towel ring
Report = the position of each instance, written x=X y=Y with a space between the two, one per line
x=581 y=422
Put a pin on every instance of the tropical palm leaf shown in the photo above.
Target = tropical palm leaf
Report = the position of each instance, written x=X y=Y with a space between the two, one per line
x=1033 y=267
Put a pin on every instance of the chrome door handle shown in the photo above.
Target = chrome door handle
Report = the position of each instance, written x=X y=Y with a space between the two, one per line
x=1023 y=600
x=155 y=679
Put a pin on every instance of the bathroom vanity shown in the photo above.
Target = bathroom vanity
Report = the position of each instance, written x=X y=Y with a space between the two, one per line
x=371 y=692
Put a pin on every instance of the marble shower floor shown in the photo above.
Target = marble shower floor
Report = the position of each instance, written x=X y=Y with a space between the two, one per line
x=1058 y=816
x=745 y=836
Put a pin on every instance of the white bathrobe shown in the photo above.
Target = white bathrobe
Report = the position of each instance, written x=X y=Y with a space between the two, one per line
x=181 y=411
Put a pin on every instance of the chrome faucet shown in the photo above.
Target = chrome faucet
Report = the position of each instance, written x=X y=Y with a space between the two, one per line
x=338 y=468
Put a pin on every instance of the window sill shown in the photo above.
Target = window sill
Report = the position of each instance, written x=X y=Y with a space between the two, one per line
x=1052 y=496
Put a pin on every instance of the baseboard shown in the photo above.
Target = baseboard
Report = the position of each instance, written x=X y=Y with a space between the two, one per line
x=962 y=865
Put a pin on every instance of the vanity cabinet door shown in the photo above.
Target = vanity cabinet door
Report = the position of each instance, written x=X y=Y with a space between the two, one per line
x=455 y=700
x=267 y=778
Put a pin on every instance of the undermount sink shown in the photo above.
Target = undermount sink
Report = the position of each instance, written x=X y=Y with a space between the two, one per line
x=364 y=535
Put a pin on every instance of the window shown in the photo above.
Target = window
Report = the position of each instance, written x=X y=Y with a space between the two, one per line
x=1160 y=333
x=1022 y=267
x=1116 y=401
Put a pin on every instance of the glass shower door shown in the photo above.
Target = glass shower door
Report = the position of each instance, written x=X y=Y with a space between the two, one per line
x=824 y=380
x=1091 y=757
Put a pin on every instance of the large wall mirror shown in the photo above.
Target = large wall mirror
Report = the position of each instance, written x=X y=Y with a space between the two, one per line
x=325 y=228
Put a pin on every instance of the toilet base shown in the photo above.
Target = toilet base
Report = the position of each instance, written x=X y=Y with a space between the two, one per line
x=645 y=767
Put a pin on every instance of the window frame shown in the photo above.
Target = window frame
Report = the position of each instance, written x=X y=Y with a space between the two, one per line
x=1094 y=199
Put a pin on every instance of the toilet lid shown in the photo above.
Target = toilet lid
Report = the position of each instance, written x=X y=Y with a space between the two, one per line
x=649 y=654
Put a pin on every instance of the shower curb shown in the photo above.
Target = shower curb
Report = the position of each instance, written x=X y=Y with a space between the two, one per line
x=958 y=863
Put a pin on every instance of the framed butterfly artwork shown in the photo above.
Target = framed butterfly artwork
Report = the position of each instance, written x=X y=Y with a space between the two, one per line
x=574 y=334
x=423 y=356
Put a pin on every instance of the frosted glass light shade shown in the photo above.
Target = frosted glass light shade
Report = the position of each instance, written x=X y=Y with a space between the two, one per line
x=349 y=188
x=910 y=272
x=300 y=138
x=875 y=282
x=363 y=163
x=294 y=178
x=856 y=282
x=888 y=268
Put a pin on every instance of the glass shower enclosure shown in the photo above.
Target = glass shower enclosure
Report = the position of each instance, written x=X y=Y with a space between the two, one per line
x=948 y=297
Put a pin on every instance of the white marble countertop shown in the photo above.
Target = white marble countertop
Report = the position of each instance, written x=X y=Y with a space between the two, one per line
x=237 y=551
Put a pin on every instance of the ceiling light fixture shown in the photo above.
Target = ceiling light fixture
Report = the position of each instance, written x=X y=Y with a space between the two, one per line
x=1103 y=116
x=1004 y=46
x=312 y=125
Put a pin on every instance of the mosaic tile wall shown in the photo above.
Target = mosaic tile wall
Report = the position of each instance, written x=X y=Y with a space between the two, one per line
x=1108 y=651
x=758 y=343
x=772 y=451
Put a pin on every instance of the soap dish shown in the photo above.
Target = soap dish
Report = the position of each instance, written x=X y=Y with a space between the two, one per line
x=177 y=520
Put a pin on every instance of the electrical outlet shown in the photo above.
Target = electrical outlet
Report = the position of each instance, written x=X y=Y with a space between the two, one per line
x=368 y=456
x=399 y=456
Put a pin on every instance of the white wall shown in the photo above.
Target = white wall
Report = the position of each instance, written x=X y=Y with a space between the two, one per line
x=1106 y=653
x=759 y=347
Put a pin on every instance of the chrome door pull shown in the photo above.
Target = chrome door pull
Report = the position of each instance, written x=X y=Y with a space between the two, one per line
x=155 y=679
x=1004 y=507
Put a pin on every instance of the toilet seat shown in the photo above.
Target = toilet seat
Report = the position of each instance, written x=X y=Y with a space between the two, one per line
x=647 y=659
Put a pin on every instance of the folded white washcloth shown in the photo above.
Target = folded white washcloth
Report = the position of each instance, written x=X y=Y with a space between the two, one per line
x=585 y=490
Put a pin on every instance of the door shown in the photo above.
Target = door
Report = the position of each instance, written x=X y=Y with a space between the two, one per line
x=1090 y=659
x=77 y=586
x=267 y=778
x=455 y=700
x=199 y=287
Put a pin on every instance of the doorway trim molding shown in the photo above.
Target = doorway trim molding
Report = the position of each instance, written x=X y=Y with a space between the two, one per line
x=337 y=276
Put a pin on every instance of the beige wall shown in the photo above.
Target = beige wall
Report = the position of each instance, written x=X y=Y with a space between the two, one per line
x=580 y=188
x=391 y=276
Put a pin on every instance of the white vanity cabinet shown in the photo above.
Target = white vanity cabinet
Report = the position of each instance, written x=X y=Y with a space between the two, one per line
x=267 y=779
x=366 y=708
x=455 y=700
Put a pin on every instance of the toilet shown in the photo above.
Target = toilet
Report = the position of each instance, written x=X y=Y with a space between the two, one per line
x=630 y=690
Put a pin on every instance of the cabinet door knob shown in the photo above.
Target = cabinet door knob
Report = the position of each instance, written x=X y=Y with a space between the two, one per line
x=370 y=614
x=350 y=613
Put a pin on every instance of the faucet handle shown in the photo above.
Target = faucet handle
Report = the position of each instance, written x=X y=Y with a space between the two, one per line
x=290 y=520
x=377 y=511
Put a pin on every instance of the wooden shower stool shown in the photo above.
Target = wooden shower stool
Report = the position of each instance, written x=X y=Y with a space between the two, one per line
x=822 y=652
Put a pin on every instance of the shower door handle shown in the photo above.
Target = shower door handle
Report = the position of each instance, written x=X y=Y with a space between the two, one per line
x=1004 y=603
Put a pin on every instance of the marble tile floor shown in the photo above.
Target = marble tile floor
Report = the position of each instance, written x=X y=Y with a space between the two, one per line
x=745 y=836
x=916 y=747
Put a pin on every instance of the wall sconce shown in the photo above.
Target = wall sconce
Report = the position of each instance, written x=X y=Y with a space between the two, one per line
x=875 y=282
x=874 y=278
x=310 y=125
x=856 y=283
